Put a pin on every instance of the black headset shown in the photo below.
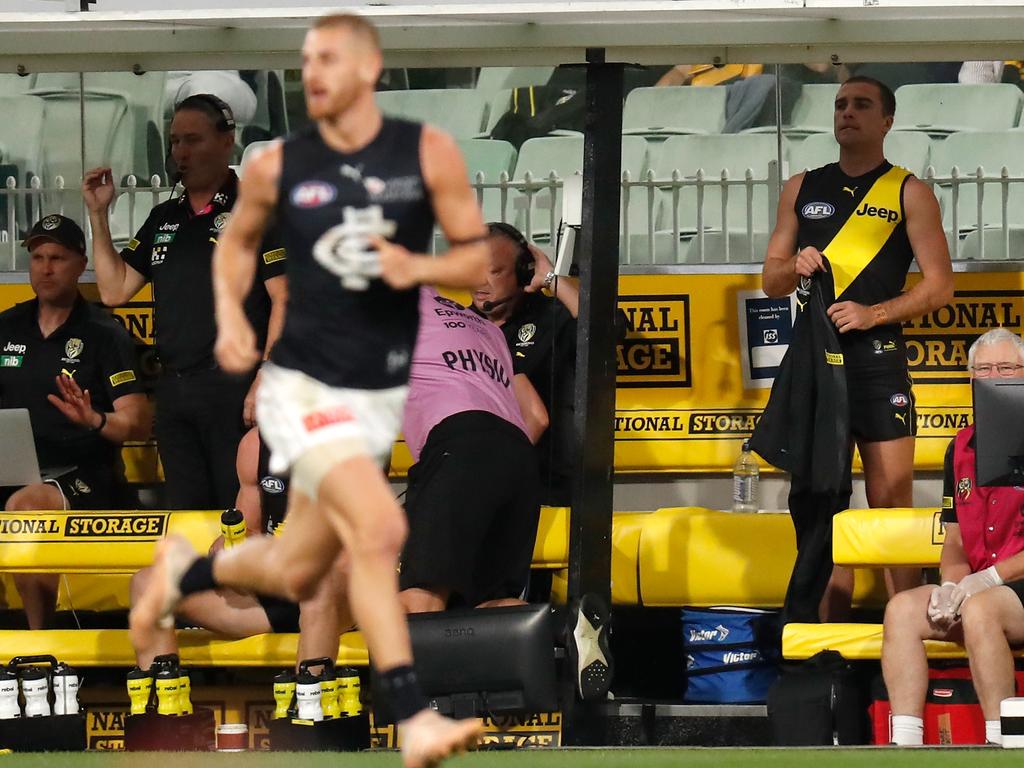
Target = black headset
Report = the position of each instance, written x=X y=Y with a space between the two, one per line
x=526 y=265
x=209 y=105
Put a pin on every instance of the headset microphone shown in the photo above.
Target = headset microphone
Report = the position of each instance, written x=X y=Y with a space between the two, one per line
x=487 y=306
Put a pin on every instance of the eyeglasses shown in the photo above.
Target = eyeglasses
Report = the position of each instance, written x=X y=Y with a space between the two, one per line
x=998 y=369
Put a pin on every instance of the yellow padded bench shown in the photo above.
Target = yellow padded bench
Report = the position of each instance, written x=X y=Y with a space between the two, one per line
x=888 y=537
x=703 y=557
x=856 y=642
x=197 y=648
x=625 y=589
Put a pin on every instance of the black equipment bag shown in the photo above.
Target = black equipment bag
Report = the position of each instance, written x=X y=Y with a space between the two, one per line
x=818 y=702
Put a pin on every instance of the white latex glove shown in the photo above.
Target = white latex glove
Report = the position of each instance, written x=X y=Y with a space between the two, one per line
x=973 y=583
x=940 y=605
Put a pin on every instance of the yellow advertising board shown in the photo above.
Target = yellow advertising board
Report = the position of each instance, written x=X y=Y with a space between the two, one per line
x=692 y=369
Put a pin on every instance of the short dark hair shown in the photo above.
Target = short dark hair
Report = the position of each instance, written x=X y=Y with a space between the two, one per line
x=884 y=91
x=212 y=106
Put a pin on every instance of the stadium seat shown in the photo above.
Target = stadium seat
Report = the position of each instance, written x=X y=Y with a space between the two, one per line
x=909 y=149
x=462 y=112
x=125 y=219
x=491 y=158
x=991 y=151
x=856 y=642
x=626 y=531
x=813 y=111
x=701 y=557
x=939 y=109
x=249 y=151
x=22 y=140
x=665 y=111
x=996 y=247
x=498 y=78
x=563 y=156
x=727 y=248
x=15 y=85
x=734 y=153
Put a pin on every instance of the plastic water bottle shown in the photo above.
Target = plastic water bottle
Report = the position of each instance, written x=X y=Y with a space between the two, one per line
x=745 y=477
x=35 y=687
x=65 y=690
x=140 y=686
x=9 y=707
x=348 y=691
x=284 y=693
x=232 y=527
x=308 y=695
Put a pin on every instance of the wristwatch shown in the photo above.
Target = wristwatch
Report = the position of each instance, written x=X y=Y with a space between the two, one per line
x=549 y=278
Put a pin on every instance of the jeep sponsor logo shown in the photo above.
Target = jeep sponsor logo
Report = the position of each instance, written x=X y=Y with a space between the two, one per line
x=115 y=526
x=18 y=349
x=817 y=210
x=883 y=213
x=656 y=350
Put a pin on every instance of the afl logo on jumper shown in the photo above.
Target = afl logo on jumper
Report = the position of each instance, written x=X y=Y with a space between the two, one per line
x=899 y=400
x=313 y=194
x=817 y=210
x=272 y=484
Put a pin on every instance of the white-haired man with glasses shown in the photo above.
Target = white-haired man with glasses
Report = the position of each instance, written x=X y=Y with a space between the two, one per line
x=980 y=602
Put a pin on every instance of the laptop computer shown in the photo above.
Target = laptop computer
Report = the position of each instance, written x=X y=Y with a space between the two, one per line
x=20 y=465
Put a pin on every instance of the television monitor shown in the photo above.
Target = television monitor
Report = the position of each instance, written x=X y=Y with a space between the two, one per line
x=999 y=431
x=472 y=663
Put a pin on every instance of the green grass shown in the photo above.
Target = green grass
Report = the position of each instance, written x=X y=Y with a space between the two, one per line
x=942 y=757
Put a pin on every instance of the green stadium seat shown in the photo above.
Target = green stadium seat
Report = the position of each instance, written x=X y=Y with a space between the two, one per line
x=22 y=142
x=499 y=78
x=250 y=150
x=125 y=219
x=462 y=112
x=991 y=151
x=665 y=111
x=939 y=109
x=734 y=153
x=15 y=85
x=490 y=158
x=813 y=111
x=908 y=149
x=728 y=248
x=996 y=247
x=563 y=156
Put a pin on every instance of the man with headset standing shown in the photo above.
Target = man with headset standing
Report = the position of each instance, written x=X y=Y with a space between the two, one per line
x=202 y=412
x=541 y=335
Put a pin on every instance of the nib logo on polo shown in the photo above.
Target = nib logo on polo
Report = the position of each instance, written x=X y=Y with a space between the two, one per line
x=345 y=250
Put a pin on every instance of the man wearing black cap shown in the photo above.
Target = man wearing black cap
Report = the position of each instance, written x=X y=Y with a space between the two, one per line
x=201 y=412
x=73 y=367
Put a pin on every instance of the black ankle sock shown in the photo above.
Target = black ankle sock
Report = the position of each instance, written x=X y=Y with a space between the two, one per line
x=402 y=690
x=198 y=577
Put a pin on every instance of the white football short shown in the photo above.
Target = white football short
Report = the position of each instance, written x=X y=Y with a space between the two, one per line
x=300 y=417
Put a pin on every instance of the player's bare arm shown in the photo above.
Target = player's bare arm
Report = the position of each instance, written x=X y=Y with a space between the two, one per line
x=783 y=265
x=934 y=290
x=464 y=264
x=234 y=260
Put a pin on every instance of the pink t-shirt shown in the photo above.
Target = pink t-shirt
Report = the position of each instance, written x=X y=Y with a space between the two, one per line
x=461 y=363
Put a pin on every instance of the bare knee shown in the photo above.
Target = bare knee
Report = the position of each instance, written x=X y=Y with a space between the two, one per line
x=982 y=617
x=36 y=497
x=380 y=536
x=138 y=584
x=905 y=612
x=299 y=578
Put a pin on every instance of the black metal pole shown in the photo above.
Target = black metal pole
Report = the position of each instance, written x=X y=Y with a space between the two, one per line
x=591 y=523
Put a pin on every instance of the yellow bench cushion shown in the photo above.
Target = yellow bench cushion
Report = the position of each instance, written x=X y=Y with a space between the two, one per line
x=197 y=648
x=626 y=527
x=856 y=642
x=876 y=537
x=703 y=557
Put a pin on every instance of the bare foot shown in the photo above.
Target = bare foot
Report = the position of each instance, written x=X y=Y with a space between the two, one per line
x=155 y=609
x=428 y=738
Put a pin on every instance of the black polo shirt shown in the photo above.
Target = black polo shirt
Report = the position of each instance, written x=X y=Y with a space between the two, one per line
x=174 y=250
x=92 y=347
x=541 y=335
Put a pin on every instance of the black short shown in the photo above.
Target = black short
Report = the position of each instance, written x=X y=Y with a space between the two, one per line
x=85 y=488
x=283 y=615
x=882 y=406
x=473 y=505
x=273 y=492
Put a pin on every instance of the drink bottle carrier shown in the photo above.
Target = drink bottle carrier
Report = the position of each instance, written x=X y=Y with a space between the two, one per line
x=47 y=733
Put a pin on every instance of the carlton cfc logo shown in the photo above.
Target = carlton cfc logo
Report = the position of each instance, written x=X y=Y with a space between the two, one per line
x=313 y=194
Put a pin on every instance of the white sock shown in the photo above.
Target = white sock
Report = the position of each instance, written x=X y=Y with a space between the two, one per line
x=908 y=731
x=993 y=733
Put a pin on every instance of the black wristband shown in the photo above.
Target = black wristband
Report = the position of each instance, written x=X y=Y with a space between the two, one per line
x=103 y=423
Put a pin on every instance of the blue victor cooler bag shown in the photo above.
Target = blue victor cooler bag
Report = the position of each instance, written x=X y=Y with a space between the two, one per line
x=731 y=655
